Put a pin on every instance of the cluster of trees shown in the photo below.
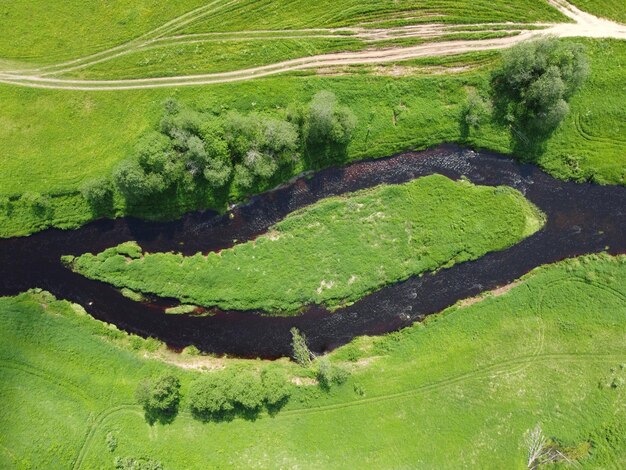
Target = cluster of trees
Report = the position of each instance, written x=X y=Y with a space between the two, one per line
x=534 y=84
x=215 y=396
x=224 y=395
x=195 y=150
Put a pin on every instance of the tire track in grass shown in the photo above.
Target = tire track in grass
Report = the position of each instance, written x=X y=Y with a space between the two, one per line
x=579 y=123
x=134 y=44
x=63 y=383
x=477 y=374
x=95 y=425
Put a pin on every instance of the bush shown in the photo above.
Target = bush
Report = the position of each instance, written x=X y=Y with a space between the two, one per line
x=111 y=442
x=328 y=374
x=98 y=192
x=159 y=397
x=5 y=205
x=535 y=82
x=38 y=203
x=130 y=463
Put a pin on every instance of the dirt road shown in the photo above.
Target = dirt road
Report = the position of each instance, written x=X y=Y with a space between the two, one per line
x=583 y=25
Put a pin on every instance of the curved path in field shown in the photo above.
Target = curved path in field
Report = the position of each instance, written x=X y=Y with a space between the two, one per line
x=583 y=25
x=582 y=218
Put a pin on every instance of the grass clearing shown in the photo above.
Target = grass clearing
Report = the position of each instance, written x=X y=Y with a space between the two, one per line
x=459 y=390
x=335 y=251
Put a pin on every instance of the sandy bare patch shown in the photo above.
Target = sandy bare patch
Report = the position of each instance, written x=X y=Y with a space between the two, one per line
x=184 y=361
x=493 y=293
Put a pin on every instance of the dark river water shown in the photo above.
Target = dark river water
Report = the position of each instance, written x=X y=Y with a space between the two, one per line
x=582 y=218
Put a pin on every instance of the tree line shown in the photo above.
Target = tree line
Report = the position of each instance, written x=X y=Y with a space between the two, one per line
x=193 y=150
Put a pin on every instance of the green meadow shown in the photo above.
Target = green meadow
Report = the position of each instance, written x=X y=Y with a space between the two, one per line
x=459 y=390
x=47 y=33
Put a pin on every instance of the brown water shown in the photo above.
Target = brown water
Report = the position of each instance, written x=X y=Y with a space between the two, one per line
x=582 y=218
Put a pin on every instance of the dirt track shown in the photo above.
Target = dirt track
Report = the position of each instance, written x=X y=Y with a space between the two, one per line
x=583 y=25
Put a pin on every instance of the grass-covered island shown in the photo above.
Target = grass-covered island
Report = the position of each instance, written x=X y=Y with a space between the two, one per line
x=334 y=251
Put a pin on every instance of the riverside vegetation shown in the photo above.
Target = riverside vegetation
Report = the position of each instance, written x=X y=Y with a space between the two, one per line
x=552 y=344
x=585 y=146
x=335 y=251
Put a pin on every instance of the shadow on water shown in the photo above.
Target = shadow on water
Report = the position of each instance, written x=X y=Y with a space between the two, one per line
x=582 y=218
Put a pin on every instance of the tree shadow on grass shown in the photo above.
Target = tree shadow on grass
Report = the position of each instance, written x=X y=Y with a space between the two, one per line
x=158 y=416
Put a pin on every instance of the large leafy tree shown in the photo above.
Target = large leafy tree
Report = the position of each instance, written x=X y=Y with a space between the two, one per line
x=535 y=82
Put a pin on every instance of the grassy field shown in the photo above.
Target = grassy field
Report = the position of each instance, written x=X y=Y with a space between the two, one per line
x=43 y=33
x=334 y=251
x=612 y=9
x=53 y=140
x=459 y=390
x=226 y=53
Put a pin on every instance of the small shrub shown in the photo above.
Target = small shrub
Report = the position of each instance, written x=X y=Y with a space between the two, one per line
x=191 y=351
x=38 y=203
x=5 y=205
x=328 y=374
x=476 y=110
x=111 y=442
x=130 y=463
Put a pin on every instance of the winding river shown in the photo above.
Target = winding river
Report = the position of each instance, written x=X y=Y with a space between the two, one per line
x=582 y=218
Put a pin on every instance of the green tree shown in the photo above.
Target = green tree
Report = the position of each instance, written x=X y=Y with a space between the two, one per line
x=328 y=122
x=301 y=352
x=534 y=83
x=259 y=145
x=275 y=386
x=247 y=391
x=159 y=397
x=210 y=397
